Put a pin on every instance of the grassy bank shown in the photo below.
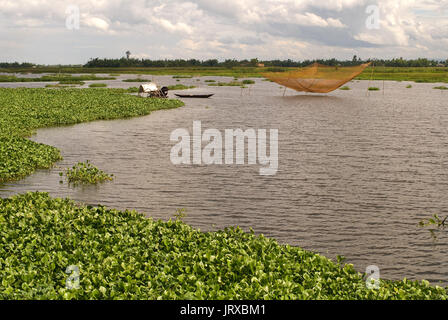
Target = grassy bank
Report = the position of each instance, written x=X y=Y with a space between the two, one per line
x=123 y=255
x=422 y=74
x=24 y=110
x=425 y=75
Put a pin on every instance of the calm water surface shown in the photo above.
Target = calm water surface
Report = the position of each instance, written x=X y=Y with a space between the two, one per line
x=356 y=172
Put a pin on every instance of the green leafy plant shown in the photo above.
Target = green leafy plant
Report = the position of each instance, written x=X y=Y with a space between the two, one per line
x=124 y=255
x=180 y=214
x=60 y=86
x=441 y=88
x=435 y=221
x=136 y=80
x=409 y=86
x=97 y=85
x=131 y=89
x=374 y=89
x=86 y=173
x=227 y=84
x=345 y=88
x=182 y=76
x=72 y=82
x=180 y=87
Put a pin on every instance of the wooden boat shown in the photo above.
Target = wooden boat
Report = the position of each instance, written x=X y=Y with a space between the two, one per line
x=193 y=95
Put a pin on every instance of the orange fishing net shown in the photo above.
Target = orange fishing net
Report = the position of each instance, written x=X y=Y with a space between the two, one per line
x=316 y=77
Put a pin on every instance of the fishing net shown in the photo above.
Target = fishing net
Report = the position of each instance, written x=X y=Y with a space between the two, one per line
x=316 y=77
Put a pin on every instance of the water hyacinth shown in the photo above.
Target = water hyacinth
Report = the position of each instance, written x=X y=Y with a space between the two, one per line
x=123 y=255
x=20 y=156
x=136 y=80
x=97 y=85
x=86 y=173
x=227 y=84
x=180 y=87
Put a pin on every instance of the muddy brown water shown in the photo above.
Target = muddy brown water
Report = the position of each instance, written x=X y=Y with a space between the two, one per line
x=356 y=172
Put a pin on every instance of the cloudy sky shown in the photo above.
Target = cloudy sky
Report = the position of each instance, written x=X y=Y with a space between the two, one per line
x=46 y=31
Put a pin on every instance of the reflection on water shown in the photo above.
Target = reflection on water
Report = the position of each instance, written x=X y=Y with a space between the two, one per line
x=356 y=172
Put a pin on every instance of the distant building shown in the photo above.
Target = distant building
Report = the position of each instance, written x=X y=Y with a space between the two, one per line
x=440 y=65
x=261 y=65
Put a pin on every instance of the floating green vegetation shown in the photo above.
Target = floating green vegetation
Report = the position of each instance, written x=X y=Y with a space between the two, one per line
x=86 y=173
x=50 y=78
x=59 y=86
x=248 y=82
x=182 y=76
x=73 y=82
x=345 y=88
x=114 y=75
x=23 y=110
x=180 y=87
x=435 y=225
x=210 y=81
x=441 y=88
x=136 y=80
x=374 y=89
x=97 y=85
x=19 y=157
x=409 y=86
x=227 y=84
x=123 y=255
x=131 y=89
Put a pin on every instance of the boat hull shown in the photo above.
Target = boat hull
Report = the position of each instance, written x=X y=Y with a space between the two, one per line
x=201 y=96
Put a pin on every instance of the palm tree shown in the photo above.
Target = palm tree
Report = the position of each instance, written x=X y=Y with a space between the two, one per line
x=128 y=53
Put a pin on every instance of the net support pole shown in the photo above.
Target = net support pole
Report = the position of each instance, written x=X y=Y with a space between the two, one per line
x=371 y=77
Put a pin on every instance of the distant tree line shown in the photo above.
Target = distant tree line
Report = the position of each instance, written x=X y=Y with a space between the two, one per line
x=229 y=63
x=16 y=65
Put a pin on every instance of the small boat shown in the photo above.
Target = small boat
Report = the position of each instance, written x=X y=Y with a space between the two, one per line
x=194 y=95
x=152 y=91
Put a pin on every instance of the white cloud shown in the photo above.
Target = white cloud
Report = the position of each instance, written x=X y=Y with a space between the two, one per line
x=173 y=27
x=268 y=29
x=311 y=19
x=95 y=22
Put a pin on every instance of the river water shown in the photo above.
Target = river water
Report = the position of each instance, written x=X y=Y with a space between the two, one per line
x=357 y=171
